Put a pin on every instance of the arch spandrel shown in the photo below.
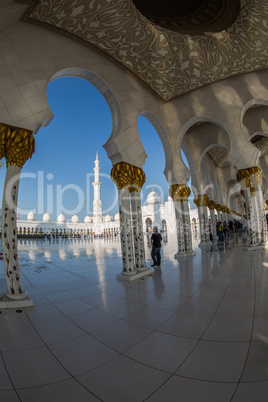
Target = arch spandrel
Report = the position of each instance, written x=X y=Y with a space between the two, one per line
x=175 y=170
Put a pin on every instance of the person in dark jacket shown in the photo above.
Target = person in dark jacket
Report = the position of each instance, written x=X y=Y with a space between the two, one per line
x=156 y=240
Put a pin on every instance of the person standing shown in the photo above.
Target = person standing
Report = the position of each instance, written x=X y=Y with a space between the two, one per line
x=156 y=239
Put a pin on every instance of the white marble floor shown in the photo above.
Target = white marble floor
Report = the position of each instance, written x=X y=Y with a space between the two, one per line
x=196 y=330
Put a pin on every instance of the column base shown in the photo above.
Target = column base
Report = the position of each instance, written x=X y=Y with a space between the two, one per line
x=7 y=302
x=185 y=254
x=260 y=246
x=134 y=275
x=141 y=269
x=204 y=244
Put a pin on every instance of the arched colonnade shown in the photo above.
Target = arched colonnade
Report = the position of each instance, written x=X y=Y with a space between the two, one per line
x=226 y=154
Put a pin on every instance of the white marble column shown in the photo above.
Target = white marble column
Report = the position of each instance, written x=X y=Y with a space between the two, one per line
x=180 y=230
x=9 y=238
x=204 y=226
x=187 y=229
x=138 y=238
x=180 y=194
x=213 y=224
x=251 y=218
x=126 y=233
x=261 y=215
x=201 y=201
x=129 y=180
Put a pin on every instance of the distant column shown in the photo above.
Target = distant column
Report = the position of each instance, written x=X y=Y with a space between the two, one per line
x=180 y=194
x=211 y=206
x=97 y=209
x=201 y=201
x=218 y=208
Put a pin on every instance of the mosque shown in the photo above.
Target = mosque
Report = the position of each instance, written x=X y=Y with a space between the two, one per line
x=107 y=326
x=153 y=214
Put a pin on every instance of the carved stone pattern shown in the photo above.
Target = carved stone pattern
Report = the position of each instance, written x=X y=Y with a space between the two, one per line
x=219 y=155
x=262 y=145
x=170 y=63
x=128 y=176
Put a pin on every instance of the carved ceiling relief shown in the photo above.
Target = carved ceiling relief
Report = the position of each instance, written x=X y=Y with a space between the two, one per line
x=262 y=145
x=170 y=63
x=219 y=156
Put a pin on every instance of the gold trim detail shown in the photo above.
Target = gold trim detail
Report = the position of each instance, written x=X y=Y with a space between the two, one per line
x=179 y=192
x=125 y=175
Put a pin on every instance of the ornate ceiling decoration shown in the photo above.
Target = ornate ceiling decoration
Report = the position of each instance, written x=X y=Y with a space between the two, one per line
x=262 y=145
x=219 y=156
x=191 y=16
x=168 y=63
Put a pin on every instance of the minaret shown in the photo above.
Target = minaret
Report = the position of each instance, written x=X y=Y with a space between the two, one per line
x=97 y=210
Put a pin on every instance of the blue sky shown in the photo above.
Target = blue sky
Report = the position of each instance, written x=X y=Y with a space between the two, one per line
x=57 y=179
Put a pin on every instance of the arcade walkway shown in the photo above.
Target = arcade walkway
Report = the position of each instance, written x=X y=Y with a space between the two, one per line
x=196 y=330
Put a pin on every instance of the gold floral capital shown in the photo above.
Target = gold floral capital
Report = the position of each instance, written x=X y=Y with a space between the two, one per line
x=243 y=174
x=5 y=132
x=17 y=145
x=125 y=175
x=179 y=192
x=201 y=200
x=20 y=146
x=218 y=207
x=224 y=209
x=211 y=204
x=255 y=176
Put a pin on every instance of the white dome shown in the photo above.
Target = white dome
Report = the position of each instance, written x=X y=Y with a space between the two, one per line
x=75 y=219
x=169 y=198
x=153 y=198
x=87 y=219
x=61 y=218
x=46 y=217
x=107 y=218
x=31 y=216
x=117 y=217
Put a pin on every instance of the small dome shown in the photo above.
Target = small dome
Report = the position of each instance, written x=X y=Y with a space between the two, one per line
x=107 y=218
x=117 y=217
x=169 y=198
x=75 y=219
x=31 y=216
x=153 y=198
x=87 y=219
x=61 y=218
x=46 y=217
